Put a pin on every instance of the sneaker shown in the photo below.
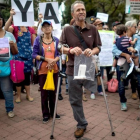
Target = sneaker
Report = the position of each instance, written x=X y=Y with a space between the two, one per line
x=45 y=120
x=67 y=91
x=11 y=114
x=112 y=70
x=101 y=94
x=60 y=97
x=92 y=96
x=138 y=69
x=79 y=132
x=134 y=96
x=57 y=117
x=123 y=106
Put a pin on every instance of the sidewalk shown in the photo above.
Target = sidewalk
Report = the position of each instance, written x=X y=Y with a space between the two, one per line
x=27 y=124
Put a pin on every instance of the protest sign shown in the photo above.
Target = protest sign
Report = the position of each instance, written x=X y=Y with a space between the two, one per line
x=132 y=7
x=106 y=56
x=102 y=16
x=50 y=12
x=4 y=48
x=24 y=12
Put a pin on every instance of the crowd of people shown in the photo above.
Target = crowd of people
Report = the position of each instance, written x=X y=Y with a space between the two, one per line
x=44 y=49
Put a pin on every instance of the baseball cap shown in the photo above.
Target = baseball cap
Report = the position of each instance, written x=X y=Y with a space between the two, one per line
x=46 y=21
x=115 y=23
x=97 y=22
x=92 y=19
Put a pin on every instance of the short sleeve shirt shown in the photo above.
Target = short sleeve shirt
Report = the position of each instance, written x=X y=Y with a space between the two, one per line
x=90 y=35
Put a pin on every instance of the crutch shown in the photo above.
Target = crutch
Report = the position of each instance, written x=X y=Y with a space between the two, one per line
x=98 y=74
x=60 y=74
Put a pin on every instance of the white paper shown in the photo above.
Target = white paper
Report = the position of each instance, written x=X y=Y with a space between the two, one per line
x=106 y=56
x=42 y=8
x=131 y=68
x=102 y=16
x=18 y=16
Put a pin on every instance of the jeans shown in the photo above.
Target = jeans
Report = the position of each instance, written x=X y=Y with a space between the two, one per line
x=7 y=90
x=121 y=85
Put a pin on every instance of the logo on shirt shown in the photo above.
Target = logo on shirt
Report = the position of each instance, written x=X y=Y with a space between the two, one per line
x=90 y=36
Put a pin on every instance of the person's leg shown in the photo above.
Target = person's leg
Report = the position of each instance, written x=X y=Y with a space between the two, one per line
x=121 y=86
x=44 y=97
x=109 y=76
x=18 y=96
x=138 y=84
x=75 y=98
x=7 y=89
x=27 y=86
x=52 y=95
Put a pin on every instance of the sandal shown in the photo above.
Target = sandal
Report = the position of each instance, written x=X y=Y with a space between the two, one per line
x=30 y=99
x=17 y=100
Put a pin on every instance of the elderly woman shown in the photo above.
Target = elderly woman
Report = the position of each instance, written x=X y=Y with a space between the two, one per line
x=6 y=84
x=47 y=57
x=25 y=37
x=131 y=25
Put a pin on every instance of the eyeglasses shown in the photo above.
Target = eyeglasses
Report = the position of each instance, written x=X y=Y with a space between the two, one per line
x=105 y=28
x=134 y=26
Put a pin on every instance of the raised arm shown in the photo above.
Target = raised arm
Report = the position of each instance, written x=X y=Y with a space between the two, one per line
x=9 y=21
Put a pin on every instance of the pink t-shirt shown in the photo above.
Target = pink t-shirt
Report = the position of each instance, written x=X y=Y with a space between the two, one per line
x=31 y=30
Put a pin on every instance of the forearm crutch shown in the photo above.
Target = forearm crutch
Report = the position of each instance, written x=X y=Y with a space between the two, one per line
x=99 y=77
x=60 y=74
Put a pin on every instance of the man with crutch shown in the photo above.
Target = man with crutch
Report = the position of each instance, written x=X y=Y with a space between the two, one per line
x=92 y=39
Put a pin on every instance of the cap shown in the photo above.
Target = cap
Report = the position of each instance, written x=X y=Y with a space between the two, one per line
x=46 y=21
x=92 y=19
x=115 y=23
x=97 y=22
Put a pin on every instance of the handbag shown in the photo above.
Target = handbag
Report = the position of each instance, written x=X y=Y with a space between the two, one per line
x=112 y=85
x=5 y=69
x=17 y=71
x=49 y=84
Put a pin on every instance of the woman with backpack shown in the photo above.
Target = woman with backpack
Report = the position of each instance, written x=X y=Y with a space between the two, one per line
x=25 y=37
x=5 y=81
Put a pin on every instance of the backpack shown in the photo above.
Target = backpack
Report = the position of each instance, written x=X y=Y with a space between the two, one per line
x=112 y=85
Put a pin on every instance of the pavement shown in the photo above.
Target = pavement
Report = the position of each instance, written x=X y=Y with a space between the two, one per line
x=27 y=123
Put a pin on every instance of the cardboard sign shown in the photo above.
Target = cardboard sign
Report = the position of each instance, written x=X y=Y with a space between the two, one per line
x=102 y=16
x=24 y=12
x=132 y=7
x=50 y=12
x=106 y=56
x=4 y=48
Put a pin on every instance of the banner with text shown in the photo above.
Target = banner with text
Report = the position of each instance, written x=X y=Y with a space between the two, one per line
x=106 y=56
x=24 y=12
x=50 y=12
x=132 y=7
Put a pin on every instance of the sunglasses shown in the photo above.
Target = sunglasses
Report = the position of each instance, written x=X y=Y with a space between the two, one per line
x=105 y=28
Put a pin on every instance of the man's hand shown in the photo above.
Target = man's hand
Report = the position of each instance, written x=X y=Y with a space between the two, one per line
x=12 y=12
x=88 y=52
x=63 y=62
x=77 y=51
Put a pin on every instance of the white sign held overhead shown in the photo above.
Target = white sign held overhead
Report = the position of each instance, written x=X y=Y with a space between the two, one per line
x=24 y=12
x=103 y=17
x=50 y=12
x=132 y=7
